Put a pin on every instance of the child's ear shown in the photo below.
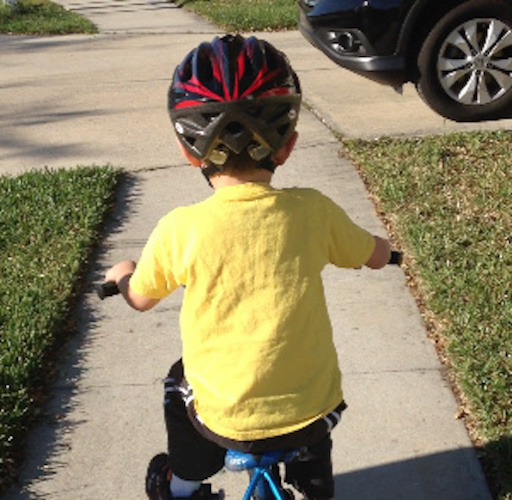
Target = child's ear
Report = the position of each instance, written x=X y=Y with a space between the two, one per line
x=281 y=155
x=195 y=162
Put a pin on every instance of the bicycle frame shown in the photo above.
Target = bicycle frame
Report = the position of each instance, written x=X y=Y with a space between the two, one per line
x=263 y=474
x=259 y=468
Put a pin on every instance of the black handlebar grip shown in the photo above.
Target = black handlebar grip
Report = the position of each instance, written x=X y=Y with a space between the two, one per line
x=396 y=258
x=107 y=289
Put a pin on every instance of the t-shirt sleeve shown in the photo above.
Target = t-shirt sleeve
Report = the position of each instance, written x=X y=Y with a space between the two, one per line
x=349 y=244
x=153 y=276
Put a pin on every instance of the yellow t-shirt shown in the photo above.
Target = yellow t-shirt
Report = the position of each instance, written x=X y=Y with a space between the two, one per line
x=257 y=340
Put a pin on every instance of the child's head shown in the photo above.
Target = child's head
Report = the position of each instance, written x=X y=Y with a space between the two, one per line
x=234 y=103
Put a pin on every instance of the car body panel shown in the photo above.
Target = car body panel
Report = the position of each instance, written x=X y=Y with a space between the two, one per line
x=383 y=28
x=373 y=25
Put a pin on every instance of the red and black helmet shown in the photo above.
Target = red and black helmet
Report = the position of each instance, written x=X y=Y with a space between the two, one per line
x=234 y=94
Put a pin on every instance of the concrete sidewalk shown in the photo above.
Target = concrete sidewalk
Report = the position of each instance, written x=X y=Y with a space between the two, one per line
x=97 y=99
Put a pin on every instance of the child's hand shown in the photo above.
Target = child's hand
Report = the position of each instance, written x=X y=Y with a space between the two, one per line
x=121 y=274
x=121 y=270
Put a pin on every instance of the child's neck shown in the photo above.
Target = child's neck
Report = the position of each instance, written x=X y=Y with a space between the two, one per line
x=224 y=179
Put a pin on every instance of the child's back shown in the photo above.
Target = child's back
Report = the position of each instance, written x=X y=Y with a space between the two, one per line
x=257 y=341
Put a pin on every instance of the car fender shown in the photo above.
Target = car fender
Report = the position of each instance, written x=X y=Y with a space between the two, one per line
x=421 y=16
x=335 y=7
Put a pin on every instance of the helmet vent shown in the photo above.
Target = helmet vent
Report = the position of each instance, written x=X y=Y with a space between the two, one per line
x=190 y=140
x=283 y=129
x=209 y=117
x=205 y=70
x=281 y=112
x=235 y=128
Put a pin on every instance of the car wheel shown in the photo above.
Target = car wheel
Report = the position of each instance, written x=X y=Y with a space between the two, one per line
x=465 y=63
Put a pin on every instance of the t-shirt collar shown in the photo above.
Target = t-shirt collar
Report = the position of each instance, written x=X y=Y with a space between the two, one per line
x=247 y=190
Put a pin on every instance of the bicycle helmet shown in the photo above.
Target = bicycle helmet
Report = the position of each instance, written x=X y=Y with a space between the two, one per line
x=232 y=95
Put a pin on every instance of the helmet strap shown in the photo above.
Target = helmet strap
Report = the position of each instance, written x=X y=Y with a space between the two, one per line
x=208 y=170
x=268 y=164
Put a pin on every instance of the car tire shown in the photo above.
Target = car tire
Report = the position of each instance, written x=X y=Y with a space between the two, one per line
x=465 y=63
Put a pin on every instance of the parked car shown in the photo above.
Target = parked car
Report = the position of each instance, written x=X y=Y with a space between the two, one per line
x=458 y=53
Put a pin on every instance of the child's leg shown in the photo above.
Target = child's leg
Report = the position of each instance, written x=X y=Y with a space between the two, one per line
x=192 y=457
x=312 y=474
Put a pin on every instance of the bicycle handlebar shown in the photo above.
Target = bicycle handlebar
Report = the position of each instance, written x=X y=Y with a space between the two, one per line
x=107 y=289
x=396 y=258
x=110 y=288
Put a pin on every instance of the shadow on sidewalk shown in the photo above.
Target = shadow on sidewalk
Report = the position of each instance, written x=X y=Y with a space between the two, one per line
x=449 y=475
x=102 y=7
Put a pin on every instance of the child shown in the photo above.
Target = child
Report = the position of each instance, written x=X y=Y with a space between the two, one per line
x=259 y=369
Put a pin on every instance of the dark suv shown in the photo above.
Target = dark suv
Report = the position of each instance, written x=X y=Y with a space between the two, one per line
x=458 y=53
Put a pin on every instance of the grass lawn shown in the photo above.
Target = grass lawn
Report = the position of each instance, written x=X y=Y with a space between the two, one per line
x=50 y=222
x=448 y=202
x=41 y=17
x=249 y=15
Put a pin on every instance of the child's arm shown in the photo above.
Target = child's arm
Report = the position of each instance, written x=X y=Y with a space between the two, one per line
x=121 y=274
x=381 y=254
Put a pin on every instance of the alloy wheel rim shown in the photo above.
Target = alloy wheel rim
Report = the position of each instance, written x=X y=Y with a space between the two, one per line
x=474 y=65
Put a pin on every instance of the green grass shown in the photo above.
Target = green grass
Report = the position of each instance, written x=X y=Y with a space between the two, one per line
x=49 y=222
x=41 y=17
x=249 y=15
x=448 y=202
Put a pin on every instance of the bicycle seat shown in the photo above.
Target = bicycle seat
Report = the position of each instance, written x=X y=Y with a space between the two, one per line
x=238 y=460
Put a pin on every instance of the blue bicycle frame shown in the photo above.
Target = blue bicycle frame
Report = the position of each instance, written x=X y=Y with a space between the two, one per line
x=262 y=485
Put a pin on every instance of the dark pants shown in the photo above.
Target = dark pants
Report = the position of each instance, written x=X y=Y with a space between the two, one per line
x=196 y=453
